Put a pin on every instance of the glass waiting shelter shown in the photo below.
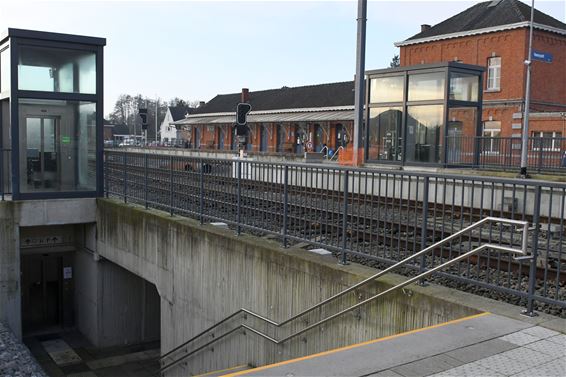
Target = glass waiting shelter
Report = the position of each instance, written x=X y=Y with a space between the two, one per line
x=424 y=114
x=51 y=114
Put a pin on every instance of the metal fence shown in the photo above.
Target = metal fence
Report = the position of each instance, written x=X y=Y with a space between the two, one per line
x=504 y=153
x=368 y=215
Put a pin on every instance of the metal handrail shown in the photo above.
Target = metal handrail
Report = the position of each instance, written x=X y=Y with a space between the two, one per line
x=336 y=152
x=502 y=221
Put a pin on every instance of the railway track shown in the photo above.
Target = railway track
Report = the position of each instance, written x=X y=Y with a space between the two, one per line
x=375 y=226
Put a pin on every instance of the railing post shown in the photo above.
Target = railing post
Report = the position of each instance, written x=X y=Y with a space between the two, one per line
x=477 y=151
x=201 y=203
x=171 y=185
x=145 y=179
x=424 y=225
x=345 y=219
x=540 y=154
x=239 y=213
x=534 y=252
x=125 y=178
x=285 y=204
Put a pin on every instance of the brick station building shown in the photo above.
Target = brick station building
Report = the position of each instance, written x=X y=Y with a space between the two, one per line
x=495 y=34
x=285 y=120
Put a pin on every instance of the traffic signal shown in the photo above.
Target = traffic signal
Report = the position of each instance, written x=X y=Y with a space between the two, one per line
x=143 y=115
x=242 y=112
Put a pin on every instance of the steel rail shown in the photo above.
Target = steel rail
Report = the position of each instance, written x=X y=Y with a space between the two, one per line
x=503 y=221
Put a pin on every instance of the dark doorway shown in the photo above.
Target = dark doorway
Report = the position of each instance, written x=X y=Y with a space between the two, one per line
x=318 y=138
x=197 y=138
x=221 y=136
x=280 y=138
x=300 y=138
x=263 y=138
x=46 y=281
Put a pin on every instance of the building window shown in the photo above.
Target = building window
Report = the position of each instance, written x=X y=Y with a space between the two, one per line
x=494 y=73
x=549 y=141
x=491 y=137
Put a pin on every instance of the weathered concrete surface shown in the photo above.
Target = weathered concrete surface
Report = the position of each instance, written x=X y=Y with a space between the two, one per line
x=204 y=274
x=17 y=214
x=113 y=306
x=10 y=297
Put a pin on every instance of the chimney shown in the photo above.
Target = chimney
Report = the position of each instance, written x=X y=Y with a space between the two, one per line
x=245 y=95
x=201 y=103
x=425 y=27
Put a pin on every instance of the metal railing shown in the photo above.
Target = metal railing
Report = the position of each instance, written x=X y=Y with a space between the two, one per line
x=184 y=347
x=371 y=215
x=545 y=154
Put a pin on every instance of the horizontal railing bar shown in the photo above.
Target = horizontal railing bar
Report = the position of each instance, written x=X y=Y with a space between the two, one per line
x=523 y=251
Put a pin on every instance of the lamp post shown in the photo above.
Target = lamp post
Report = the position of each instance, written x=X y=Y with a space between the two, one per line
x=359 y=82
x=156 y=110
x=525 y=135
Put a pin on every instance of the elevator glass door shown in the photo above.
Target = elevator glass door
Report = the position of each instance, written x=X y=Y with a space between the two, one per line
x=43 y=156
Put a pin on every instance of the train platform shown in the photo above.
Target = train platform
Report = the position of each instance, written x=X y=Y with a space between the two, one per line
x=485 y=344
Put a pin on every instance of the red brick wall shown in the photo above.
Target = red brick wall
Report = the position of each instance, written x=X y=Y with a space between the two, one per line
x=509 y=45
x=548 y=79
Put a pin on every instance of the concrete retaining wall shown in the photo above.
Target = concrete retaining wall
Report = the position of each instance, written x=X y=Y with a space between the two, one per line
x=204 y=273
x=31 y=213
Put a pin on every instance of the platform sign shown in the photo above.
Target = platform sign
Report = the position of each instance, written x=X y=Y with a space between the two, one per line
x=542 y=56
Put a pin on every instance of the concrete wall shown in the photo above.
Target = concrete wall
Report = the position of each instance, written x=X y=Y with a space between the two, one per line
x=10 y=298
x=205 y=273
x=112 y=306
x=14 y=215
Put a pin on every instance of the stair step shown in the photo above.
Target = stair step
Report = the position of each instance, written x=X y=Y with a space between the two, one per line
x=222 y=372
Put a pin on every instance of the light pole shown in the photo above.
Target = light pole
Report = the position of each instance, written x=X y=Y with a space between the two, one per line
x=156 y=110
x=359 y=82
x=525 y=135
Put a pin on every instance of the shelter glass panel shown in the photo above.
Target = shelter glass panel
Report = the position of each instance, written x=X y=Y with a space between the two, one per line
x=426 y=86
x=56 y=70
x=461 y=131
x=424 y=133
x=464 y=87
x=385 y=141
x=5 y=70
x=57 y=146
x=387 y=89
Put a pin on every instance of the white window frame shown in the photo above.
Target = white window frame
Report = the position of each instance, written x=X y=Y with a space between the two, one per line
x=555 y=135
x=493 y=80
x=493 y=133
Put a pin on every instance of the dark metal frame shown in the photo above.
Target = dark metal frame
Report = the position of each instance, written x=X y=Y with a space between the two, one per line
x=240 y=200
x=17 y=38
x=447 y=68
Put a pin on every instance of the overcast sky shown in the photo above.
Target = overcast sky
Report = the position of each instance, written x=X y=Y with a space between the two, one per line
x=195 y=50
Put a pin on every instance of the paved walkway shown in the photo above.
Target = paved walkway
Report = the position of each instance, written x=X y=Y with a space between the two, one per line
x=481 y=345
x=69 y=354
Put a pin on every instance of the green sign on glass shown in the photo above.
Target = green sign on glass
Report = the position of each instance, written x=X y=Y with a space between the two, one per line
x=65 y=140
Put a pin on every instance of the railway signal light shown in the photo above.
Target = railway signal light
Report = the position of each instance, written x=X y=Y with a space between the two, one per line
x=143 y=115
x=242 y=112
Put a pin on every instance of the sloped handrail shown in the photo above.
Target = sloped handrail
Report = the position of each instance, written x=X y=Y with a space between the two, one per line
x=502 y=221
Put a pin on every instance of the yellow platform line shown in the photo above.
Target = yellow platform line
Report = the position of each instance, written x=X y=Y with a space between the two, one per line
x=356 y=345
x=221 y=370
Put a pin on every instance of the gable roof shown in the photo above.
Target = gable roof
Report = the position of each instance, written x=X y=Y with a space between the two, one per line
x=487 y=15
x=178 y=112
x=120 y=129
x=312 y=96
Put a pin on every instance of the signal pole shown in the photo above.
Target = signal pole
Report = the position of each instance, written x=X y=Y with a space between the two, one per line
x=525 y=135
x=359 y=82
